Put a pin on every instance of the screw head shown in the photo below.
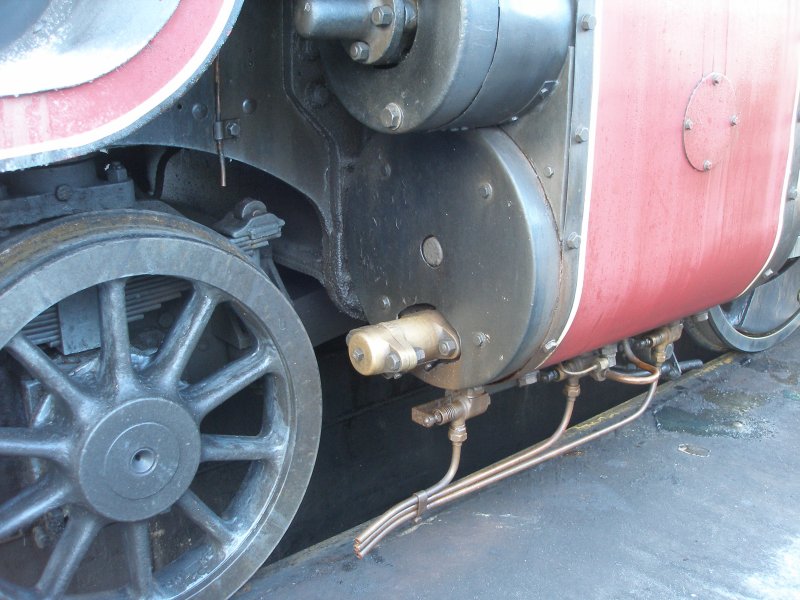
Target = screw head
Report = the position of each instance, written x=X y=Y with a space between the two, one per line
x=392 y=116
x=707 y=165
x=393 y=363
x=582 y=135
x=359 y=51
x=479 y=339
x=382 y=16
x=688 y=124
x=486 y=190
x=385 y=303
x=588 y=22
x=447 y=348
x=63 y=192
x=574 y=241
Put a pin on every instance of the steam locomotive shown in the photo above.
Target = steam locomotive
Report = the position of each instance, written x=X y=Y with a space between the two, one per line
x=483 y=193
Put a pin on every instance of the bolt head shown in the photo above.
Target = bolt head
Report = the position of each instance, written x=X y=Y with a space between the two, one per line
x=393 y=363
x=549 y=172
x=582 y=135
x=233 y=129
x=550 y=345
x=688 y=124
x=359 y=51
x=116 y=173
x=707 y=165
x=392 y=116
x=588 y=22
x=486 y=190
x=382 y=16
x=792 y=194
x=357 y=355
x=574 y=241
x=734 y=120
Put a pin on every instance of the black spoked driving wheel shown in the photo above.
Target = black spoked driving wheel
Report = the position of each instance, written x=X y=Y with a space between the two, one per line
x=116 y=453
x=757 y=320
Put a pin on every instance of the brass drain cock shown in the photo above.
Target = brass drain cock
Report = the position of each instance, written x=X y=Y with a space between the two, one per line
x=402 y=345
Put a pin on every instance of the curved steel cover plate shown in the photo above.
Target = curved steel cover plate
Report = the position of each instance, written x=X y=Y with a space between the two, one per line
x=710 y=122
x=76 y=41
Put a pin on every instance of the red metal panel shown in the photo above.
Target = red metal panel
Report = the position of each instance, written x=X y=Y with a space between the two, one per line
x=665 y=240
x=79 y=115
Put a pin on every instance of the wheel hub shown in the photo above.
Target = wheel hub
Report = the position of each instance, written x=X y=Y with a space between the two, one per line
x=139 y=459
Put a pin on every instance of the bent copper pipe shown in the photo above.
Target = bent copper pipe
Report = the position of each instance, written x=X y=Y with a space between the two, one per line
x=541 y=452
x=388 y=521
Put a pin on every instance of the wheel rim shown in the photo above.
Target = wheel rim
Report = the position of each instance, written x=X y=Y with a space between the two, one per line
x=120 y=436
x=760 y=318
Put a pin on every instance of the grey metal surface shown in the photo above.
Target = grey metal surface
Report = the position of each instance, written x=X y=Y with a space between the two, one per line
x=497 y=280
x=698 y=499
x=75 y=41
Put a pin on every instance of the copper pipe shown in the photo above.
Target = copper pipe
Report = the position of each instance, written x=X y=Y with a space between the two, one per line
x=541 y=452
x=388 y=521
x=632 y=379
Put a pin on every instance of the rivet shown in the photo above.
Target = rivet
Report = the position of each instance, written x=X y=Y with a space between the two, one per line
x=249 y=106
x=573 y=241
x=582 y=135
x=486 y=190
x=707 y=165
x=432 y=252
x=550 y=345
x=588 y=22
x=63 y=192
x=359 y=51
x=392 y=116
x=199 y=111
x=688 y=124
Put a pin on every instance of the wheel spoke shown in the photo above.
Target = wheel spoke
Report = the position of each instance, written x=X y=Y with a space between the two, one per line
x=68 y=554
x=30 y=504
x=39 y=365
x=116 y=352
x=174 y=354
x=34 y=443
x=139 y=555
x=205 y=396
x=239 y=447
x=205 y=518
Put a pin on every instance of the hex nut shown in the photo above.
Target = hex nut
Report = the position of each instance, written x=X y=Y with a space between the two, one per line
x=588 y=22
x=359 y=51
x=233 y=129
x=447 y=348
x=393 y=363
x=382 y=16
x=392 y=116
